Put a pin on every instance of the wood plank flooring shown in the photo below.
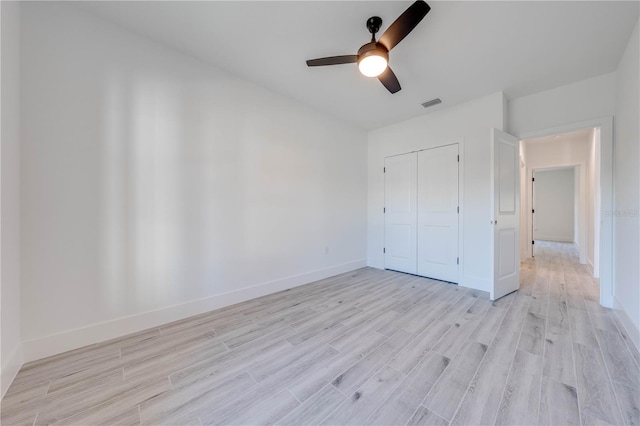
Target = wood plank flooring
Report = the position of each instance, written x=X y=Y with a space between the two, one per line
x=366 y=347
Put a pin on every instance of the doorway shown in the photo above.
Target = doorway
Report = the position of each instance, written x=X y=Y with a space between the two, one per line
x=555 y=205
x=563 y=196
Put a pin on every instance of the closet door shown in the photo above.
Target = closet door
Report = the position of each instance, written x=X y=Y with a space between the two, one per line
x=438 y=213
x=400 y=217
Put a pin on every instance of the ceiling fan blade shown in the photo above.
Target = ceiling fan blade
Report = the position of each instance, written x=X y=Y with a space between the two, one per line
x=405 y=23
x=389 y=80
x=333 y=60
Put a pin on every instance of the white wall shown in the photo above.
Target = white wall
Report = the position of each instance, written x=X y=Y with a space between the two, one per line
x=627 y=190
x=576 y=210
x=10 y=345
x=468 y=124
x=590 y=168
x=156 y=186
x=576 y=102
x=593 y=201
x=555 y=205
x=525 y=243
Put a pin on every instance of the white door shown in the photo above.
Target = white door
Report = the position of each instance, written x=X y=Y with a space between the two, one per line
x=400 y=216
x=438 y=213
x=505 y=195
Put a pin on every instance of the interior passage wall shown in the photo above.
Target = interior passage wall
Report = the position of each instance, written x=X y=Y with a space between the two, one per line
x=468 y=124
x=554 y=205
x=627 y=189
x=156 y=186
x=10 y=346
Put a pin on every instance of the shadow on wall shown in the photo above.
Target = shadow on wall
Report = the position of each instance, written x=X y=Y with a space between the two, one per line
x=188 y=195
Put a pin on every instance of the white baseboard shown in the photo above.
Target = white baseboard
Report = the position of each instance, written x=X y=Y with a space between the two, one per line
x=72 y=339
x=475 y=283
x=590 y=265
x=555 y=238
x=632 y=331
x=10 y=368
x=375 y=262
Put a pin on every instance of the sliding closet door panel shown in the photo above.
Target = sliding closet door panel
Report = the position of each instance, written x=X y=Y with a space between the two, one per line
x=400 y=215
x=438 y=213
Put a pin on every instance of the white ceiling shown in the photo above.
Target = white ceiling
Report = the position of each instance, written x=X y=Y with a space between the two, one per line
x=460 y=51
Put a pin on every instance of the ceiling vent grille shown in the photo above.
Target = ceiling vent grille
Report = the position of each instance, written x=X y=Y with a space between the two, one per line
x=432 y=102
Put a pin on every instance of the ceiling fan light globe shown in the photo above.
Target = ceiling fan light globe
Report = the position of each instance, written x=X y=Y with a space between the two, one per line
x=372 y=59
x=372 y=65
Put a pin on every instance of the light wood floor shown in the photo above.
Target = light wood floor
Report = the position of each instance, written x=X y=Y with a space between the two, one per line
x=367 y=347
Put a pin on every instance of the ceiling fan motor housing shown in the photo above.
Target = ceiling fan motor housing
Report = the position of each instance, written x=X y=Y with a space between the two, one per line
x=373 y=24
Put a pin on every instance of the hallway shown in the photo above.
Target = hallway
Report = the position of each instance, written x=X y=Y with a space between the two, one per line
x=590 y=366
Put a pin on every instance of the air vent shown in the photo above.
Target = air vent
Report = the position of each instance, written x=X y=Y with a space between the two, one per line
x=432 y=102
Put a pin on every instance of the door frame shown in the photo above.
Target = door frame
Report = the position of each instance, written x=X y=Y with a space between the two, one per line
x=460 y=143
x=606 y=195
x=579 y=169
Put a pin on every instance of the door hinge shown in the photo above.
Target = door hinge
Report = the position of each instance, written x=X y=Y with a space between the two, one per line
x=533 y=242
x=384 y=170
x=458 y=209
x=533 y=210
x=457 y=260
x=458 y=158
x=533 y=179
x=384 y=250
x=384 y=210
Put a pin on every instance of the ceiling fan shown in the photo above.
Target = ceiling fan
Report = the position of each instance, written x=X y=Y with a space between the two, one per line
x=373 y=57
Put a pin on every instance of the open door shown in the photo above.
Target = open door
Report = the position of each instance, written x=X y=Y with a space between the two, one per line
x=505 y=197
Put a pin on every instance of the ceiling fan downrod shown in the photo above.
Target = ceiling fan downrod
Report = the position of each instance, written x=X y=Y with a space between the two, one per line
x=373 y=25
